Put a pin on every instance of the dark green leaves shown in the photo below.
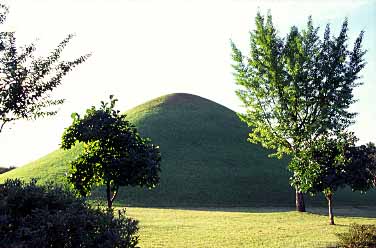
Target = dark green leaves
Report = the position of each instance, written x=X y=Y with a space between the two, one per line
x=335 y=162
x=114 y=153
x=361 y=168
x=26 y=81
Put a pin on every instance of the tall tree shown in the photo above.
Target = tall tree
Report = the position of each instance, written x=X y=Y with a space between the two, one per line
x=335 y=162
x=114 y=153
x=26 y=81
x=296 y=89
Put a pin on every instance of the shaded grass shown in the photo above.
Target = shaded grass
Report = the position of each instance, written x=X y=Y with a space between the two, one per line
x=242 y=227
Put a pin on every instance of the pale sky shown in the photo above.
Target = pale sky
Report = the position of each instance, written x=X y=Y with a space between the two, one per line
x=142 y=49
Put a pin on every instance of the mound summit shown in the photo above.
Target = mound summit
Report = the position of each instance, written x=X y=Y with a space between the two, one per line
x=206 y=160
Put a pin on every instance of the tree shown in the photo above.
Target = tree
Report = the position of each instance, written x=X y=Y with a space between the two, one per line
x=25 y=81
x=335 y=162
x=114 y=153
x=296 y=89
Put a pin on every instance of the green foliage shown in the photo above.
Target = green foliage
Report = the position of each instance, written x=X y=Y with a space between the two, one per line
x=358 y=236
x=298 y=88
x=334 y=162
x=324 y=167
x=361 y=169
x=27 y=81
x=114 y=152
x=51 y=216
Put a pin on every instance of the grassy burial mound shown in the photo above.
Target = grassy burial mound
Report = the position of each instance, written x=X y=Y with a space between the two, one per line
x=206 y=160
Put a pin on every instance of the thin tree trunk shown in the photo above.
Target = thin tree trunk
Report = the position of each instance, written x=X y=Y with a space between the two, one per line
x=2 y=125
x=299 y=201
x=108 y=192
x=114 y=194
x=330 y=207
x=111 y=194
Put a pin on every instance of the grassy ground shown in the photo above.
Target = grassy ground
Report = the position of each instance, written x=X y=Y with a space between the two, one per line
x=206 y=161
x=48 y=168
x=242 y=227
x=202 y=144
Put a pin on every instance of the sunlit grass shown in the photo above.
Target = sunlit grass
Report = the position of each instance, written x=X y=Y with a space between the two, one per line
x=241 y=227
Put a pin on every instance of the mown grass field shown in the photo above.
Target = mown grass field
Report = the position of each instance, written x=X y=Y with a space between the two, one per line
x=244 y=227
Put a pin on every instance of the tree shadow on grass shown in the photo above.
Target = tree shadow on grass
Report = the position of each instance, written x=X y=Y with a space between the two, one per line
x=237 y=209
x=340 y=211
x=347 y=211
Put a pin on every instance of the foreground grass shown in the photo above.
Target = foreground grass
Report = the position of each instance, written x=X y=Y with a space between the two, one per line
x=242 y=227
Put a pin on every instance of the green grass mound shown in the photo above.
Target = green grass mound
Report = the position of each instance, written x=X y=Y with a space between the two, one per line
x=206 y=160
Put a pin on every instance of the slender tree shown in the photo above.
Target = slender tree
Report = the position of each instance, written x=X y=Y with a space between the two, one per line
x=335 y=162
x=26 y=81
x=114 y=153
x=296 y=89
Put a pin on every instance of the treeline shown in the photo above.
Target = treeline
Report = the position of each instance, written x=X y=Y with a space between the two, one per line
x=6 y=169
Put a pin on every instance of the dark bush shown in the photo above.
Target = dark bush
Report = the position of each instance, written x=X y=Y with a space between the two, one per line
x=51 y=216
x=6 y=169
x=358 y=236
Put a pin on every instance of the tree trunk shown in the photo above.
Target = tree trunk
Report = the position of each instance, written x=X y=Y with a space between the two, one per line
x=114 y=194
x=330 y=206
x=108 y=192
x=299 y=201
x=111 y=194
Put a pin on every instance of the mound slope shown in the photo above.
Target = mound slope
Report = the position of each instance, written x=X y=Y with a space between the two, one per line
x=206 y=160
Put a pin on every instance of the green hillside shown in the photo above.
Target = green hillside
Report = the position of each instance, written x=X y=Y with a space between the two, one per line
x=206 y=160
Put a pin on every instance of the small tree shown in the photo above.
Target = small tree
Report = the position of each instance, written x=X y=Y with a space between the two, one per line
x=114 y=153
x=26 y=81
x=335 y=162
x=296 y=89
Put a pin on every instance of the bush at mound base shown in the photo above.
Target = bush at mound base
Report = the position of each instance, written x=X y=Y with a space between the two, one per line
x=50 y=216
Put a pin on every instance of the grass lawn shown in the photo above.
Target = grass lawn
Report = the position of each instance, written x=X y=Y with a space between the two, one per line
x=244 y=227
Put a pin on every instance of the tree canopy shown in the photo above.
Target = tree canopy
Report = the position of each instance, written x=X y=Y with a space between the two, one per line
x=297 y=88
x=114 y=153
x=338 y=162
x=335 y=162
x=26 y=81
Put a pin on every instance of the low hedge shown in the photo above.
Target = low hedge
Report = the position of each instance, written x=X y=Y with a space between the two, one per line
x=51 y=216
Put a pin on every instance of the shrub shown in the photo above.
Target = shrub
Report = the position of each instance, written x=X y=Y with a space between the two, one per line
x=359 y=236
x=51 y=216
x=6 y=169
